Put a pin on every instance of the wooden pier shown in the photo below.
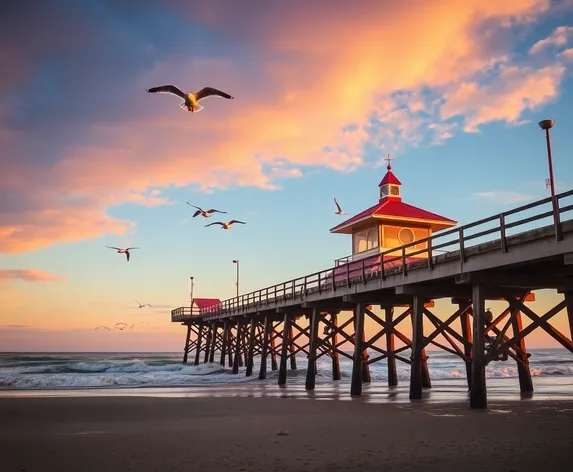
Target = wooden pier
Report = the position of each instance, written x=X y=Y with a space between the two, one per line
x=505 y=257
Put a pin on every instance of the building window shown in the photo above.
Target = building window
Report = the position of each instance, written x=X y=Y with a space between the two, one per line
x=406 y=236
x=395 y=190
x=365 y=240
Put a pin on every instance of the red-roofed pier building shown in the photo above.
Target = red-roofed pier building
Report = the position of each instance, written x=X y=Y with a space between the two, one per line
x=390 y=223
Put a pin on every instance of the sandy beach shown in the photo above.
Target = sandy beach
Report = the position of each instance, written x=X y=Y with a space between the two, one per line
x=274 y=434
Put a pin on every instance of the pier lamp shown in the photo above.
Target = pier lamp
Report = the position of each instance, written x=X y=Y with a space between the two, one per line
x=236 y=261
x=546 y=125
x=191 y=292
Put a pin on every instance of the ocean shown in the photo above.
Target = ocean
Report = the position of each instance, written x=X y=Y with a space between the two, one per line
x=163 y=374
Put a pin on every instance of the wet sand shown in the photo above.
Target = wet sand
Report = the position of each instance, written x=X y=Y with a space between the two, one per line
x=276 y=434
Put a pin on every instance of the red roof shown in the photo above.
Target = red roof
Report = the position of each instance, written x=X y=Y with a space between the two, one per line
x=395 y=209
x=389 y=178
x=205 y=302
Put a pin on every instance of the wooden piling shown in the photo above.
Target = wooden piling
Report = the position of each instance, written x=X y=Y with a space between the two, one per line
x=224 y=342
x=336 y=375
x=284 y=350
x=199 y=341
x=274 y=365
x=569 y=307
x=313 y=344
x=417 y=343
x=214 y=330
x=187 y=341
x=236 y=360
x=390 y=347
x=523 y=370
x=267 y=332
x=292 y=348
x=466 y=328
x=478 y=394
x=208 y=336
x=251 y=353
x=356 y=382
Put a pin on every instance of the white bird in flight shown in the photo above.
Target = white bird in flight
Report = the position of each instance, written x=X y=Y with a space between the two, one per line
x=226 y=225
x=123 y=251
x=141 y=306
x=338 y=209
x=204 y=213
x=191 y=102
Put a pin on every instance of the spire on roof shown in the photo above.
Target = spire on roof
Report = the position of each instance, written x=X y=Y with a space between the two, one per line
x=388 y=159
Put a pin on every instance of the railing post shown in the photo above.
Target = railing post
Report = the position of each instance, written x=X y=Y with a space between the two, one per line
x=305 y=284
x=462 y=246
x=382 y=273
x=404 y=269
x=319 y=282
x=502 y=232
x=556 y=218
x=363 y=271
x=430 y=261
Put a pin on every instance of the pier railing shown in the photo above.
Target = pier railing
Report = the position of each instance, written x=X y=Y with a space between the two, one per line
x=184 y=313
x=498 y=232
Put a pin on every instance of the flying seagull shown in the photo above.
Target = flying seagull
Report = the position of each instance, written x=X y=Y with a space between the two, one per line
x=191 y=102
x=338 y=209
x=226 y=225
x=102 y=327
x=123 y=251
x=204 y=213
x=142 y=306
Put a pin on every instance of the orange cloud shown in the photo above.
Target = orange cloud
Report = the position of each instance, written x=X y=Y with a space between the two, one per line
x=322 y=91
x=515 y=90
x=27 y=275
x=560 y=37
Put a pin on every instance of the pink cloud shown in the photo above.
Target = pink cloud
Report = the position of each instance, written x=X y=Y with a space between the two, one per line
x=513 y=91
x=27 y=275
x=559 y=37
x=309 y=102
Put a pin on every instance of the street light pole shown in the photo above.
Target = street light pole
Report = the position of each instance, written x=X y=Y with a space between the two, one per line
x=236 y=261
x=191 y=293
x=546 y=125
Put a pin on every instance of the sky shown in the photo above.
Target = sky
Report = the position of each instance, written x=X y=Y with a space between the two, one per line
x=323 y=91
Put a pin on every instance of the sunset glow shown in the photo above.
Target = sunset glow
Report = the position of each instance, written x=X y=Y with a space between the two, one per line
x=452 y=90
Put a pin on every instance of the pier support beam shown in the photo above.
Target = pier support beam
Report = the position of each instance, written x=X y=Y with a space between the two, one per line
x=292 y=349
x=569 y=306
x=478 y=393
x=334 y=354
x=225 y=342
x=267 y=332
x=251 y=354
x=237 y=359
x=390 y=348
x=313 y=343
x=273 y=345
x=284 y=350
x=187 y=340
x=214 y=330
x=417 y=344
x=356 y=385
x=199 y=341
x=208 y=336
x=467 y=335
x=523 y=371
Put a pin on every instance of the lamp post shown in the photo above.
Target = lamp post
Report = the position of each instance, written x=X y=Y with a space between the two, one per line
x=546 y=125
x=236 y=261
x=191 y=293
